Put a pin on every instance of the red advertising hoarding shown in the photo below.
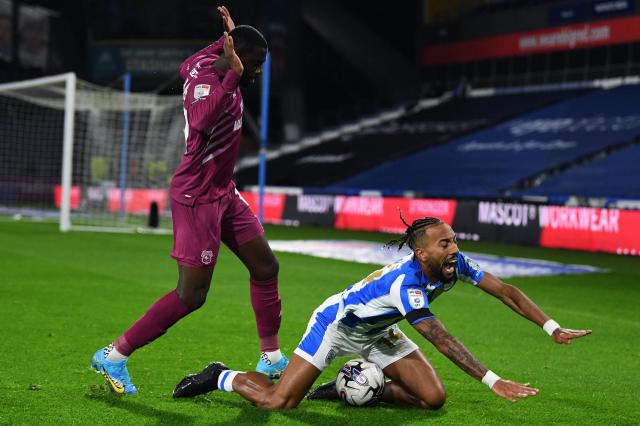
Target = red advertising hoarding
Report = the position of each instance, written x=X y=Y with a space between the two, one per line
x=383 y=213
x=273 y=205
x=588 y=34
x=582 y=228
x=577 y=228
x=137 y=201
x=75 y=196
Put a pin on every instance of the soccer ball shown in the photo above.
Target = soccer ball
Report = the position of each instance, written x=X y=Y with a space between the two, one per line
x=360 y=382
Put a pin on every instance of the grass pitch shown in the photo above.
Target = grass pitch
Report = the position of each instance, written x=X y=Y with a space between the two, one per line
x=62 y=296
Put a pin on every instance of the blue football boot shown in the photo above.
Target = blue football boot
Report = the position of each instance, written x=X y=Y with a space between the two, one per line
x=273 y=371
x=114 y=372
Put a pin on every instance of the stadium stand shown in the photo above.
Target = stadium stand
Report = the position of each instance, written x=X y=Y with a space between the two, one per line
x=613 y=176
x=493 y=162
x=344 y=156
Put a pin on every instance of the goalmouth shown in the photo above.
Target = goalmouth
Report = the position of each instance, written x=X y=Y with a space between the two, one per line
x=90 y=157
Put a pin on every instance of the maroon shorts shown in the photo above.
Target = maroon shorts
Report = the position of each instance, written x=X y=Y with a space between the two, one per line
x=198 y=230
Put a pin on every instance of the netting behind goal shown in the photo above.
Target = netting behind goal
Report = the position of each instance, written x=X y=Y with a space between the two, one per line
x=124 y=148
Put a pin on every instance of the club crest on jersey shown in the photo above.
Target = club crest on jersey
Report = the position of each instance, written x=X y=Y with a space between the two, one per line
x=201 y=90
x=206 y=256
x=330 y=356
x=473 y=265
x=416 y=298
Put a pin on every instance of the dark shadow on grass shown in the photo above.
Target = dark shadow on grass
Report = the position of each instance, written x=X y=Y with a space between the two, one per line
x=390 y=414
x=307 y=413
x=127 y=403
x=248 y=413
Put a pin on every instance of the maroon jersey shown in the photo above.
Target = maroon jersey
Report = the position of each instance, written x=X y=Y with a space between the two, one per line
x=213 y=112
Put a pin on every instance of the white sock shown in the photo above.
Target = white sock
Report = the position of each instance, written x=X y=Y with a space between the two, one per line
x=272 y=358
x=112 y=354
x=225 y=380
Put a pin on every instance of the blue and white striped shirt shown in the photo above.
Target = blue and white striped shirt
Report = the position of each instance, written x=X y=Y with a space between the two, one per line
x=390 y=294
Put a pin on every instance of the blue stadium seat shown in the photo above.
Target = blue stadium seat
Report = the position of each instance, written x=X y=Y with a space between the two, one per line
x=615 y=176
x=492 y=161
x=342 y=157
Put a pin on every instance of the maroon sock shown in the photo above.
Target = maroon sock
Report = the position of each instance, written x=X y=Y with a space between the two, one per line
x=268 y=310
x=153 y=324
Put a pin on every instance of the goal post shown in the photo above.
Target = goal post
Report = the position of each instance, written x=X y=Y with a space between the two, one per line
x=67 y=151
x=90 y=157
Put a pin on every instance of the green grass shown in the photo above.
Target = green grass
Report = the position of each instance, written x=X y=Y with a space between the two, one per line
x=64 y=295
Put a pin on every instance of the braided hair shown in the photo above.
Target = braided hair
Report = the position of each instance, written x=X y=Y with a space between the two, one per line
x=413 y=231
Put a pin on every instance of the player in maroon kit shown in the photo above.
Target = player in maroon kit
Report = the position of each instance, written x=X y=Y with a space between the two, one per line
x=206 y=207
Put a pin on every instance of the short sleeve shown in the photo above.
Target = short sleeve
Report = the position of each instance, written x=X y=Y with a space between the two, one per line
x=411 y=300
x=468 y=270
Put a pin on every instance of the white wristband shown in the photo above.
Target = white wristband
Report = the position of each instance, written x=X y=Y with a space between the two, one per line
x=550 y=326
x=490 y=378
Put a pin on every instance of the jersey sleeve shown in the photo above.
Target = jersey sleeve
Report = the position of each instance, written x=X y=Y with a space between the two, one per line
x=206 y=98
x=411 y=300
x=213 y=50
x=468 y=270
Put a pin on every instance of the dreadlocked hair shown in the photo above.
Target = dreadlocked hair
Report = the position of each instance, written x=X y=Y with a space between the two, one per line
x=413 y=231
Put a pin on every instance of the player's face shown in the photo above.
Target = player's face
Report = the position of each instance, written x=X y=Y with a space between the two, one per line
x=252 y=63
x=440 y=252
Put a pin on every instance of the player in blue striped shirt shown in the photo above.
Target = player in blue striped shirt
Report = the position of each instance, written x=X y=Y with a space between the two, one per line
x=362 y=320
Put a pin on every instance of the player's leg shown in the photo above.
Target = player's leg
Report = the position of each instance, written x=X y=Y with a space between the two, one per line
x=196 y=244
x=316 y=350
x=195 y=248
x=253 y=386
x=413 y=382
x=296 y=380
x=244 y=235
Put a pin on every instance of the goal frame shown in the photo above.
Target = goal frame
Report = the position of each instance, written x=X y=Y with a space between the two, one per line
x=67 y=146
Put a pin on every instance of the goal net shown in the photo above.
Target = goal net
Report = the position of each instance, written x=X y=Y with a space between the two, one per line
x=91 y=157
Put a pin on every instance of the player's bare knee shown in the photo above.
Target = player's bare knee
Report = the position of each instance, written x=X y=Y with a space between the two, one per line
x=276 y=402
x=265 y=270
x=436 y=399
x=193 y=300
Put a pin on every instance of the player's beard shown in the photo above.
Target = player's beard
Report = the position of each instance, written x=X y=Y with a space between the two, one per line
x=438 y=267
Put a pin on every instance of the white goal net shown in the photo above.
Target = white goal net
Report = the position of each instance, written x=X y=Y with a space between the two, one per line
x=89 y=156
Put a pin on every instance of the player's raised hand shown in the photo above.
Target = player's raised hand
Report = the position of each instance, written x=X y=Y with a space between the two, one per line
x=511 y=390
x=227 y=22
x=234 y=60
x=566 y=335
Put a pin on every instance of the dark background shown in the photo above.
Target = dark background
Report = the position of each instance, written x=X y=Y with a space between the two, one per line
x=332 y=61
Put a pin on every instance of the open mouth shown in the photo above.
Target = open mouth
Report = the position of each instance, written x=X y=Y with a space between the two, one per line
x=449 y=266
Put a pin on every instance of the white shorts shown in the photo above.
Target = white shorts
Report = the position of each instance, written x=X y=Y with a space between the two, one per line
x=325 y=341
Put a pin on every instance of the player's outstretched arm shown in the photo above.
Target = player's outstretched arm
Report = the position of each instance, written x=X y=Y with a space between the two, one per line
x=433 y=330
x=514 y=298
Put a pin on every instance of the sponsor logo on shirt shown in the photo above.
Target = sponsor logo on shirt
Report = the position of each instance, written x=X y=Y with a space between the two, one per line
x=473 y=265
x=206 y=256
x=416 y=298
x=330 y=356
x=201 y=90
